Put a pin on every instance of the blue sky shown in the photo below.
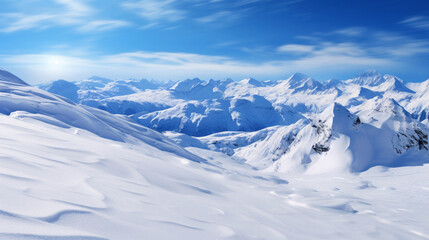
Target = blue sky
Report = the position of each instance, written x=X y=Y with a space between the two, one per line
x=43 y=40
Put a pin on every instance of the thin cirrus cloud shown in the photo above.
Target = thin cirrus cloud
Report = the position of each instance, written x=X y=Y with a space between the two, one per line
x=216 y=17
x=295 y=48
x=73 y=13
x=103 y=25
x=351 y=32
x=162 y=13
x=156 y=10
x=419 y=22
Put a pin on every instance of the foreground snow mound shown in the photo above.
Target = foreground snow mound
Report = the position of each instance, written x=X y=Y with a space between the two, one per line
x=56 y=184
x=7 y=77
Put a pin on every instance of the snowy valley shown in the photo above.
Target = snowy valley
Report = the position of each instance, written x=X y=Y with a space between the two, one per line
x=219 y=159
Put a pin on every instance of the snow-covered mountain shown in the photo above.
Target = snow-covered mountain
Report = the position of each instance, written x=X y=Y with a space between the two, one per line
x=290 y=125
x=255 y=171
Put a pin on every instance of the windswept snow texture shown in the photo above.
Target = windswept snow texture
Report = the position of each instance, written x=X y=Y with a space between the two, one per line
x=72 y=172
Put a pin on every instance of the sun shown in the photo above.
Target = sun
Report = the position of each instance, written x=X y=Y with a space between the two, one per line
x=56 y=62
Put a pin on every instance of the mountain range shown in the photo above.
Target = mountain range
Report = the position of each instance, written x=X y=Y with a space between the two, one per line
x=309 y=122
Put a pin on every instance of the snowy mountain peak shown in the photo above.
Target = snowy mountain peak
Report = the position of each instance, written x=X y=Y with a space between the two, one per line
x=186 y=85
x=393 y=108
x=310 y=85
x=298 y=76
x=252 y=81
x=393 y=83
x=296 y=79
x=331 y=83
x=338 y=117
x=8 y=77
x=368 y=78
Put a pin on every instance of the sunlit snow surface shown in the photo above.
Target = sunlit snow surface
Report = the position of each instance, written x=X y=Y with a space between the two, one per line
x=69 y=172
x=71 y=184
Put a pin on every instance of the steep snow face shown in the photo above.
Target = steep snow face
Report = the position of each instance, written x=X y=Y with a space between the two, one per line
x=383 y=112
x=295 y=80
x=368 y=94
x=339 y=141
x=253 y=82
x=369 y=78
x=270 y=145
x=8 y=77
x=418 y=104
x=300 y=83
x=394 y=84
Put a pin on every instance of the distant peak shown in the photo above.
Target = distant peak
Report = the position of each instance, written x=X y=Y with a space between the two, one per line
x=100 y=79
x=252 y=81
x=297 y=79
x=186 y=85
x=393 y=83
x=369 y=78
x=299 y=76
x=371 y=72
x=331 y=83
x=389 y=105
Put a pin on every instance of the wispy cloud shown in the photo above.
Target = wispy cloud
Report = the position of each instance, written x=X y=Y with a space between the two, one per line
x=102 y=25
x=295 y=48
x=162 y=13
x=352 y=31
x=379 y=49
x=73 y=13
x=216 y=17
x=156 y=10
x=377 y=44
x=420 y=22
x=19 y=21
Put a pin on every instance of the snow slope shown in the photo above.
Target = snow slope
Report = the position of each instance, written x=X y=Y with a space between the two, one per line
x=72 y=172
